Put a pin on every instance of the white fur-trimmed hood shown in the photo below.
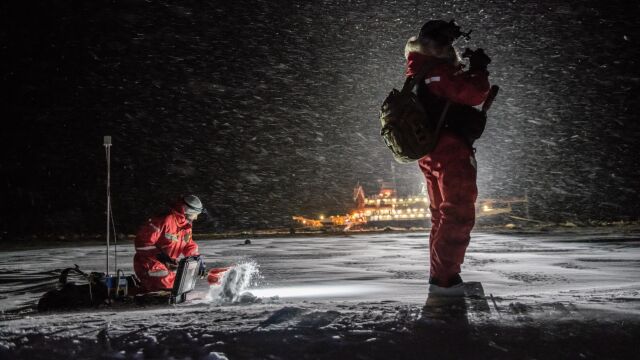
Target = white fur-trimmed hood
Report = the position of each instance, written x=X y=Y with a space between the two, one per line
x=414 y=45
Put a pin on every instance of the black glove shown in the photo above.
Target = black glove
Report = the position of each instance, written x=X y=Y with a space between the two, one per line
x=478 y=60
x=202 y=267
x=170 y=263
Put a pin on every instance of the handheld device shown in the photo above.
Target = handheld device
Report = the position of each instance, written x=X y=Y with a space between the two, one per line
x=185 y=281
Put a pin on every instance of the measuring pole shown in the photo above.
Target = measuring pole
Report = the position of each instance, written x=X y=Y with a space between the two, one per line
x=526 y=202
x=107 y=148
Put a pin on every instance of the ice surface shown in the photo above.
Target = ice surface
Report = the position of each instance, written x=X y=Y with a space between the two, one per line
x=343 y=290
x=370 y=267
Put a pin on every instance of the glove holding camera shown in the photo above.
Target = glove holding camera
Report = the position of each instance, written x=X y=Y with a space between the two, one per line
x=202 y=267
x=478 y=60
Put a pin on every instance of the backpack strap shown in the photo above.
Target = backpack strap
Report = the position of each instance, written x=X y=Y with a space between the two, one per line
x=443 y=114
x=65 y=274
x=412 y=81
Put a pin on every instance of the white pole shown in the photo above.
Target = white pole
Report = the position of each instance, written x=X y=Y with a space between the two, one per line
x=107 y=147
x=526 y=202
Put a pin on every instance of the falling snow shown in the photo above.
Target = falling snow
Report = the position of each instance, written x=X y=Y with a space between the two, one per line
x=267 y=116
x=268 y=109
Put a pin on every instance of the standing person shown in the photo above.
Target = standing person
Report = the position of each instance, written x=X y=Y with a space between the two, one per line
x=450 y=169
x=160 y=242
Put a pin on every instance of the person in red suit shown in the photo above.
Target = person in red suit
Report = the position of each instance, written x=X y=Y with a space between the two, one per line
x=450 y=169
x=162 y=240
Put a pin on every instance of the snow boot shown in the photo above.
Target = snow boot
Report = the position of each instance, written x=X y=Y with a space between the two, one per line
x=456 y=287
x=451 y=291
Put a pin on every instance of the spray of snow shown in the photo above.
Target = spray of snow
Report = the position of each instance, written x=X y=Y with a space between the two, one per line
x=234 y=285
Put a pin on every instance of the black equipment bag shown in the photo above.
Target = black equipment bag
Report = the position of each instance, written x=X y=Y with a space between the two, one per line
x=466 y=121
x=406 y=129
x=72 y=296
x=94 y=292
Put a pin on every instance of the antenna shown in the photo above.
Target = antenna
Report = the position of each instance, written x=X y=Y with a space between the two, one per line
x=526 y=203
x=107 y=148
x=393 y=174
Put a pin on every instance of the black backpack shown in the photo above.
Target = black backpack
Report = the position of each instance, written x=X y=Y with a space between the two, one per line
x=410 y=133
x=406 y=129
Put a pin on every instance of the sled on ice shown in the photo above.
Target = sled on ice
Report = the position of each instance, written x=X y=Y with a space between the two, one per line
x=98 y=289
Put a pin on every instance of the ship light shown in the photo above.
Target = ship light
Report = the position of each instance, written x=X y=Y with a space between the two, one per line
x=486 y=208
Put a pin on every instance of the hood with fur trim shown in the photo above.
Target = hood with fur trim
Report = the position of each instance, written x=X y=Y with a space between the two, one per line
x=414 y=45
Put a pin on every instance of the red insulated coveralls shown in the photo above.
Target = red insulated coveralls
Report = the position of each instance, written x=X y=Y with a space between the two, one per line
x=450 y=169
x=170 y=234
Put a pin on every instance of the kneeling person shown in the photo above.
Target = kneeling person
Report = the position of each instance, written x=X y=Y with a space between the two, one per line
x=160 y=242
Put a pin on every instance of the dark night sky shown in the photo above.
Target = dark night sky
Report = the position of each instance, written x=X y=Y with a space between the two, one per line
x=267 y=109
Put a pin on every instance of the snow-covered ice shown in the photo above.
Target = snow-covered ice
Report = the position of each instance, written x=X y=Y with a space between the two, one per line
x=340 y=293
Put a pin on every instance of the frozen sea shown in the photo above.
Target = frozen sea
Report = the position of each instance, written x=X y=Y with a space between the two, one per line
x=357 y=296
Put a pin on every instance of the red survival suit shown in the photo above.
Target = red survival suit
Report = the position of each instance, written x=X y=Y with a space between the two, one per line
x=170 y=234
x=450 y=169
